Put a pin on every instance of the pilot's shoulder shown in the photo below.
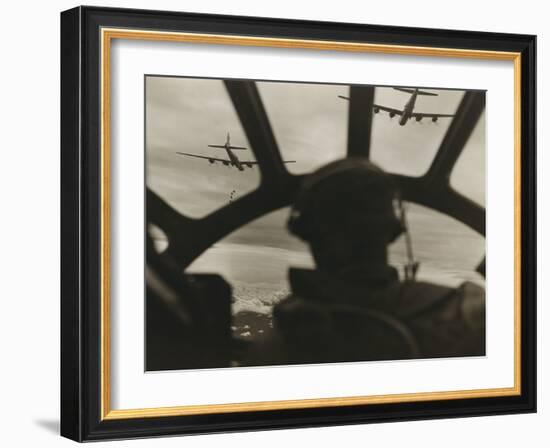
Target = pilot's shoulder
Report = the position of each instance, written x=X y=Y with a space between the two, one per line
x=294 y=303
x=472 y=290
x=419 y=296
x=473 y=304
x=433 y=291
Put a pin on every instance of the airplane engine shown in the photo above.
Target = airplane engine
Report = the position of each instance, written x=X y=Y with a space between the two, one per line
x=211 y=161
x=376 y=110
x=392 y=114
x=434 y=119
x=419 y=117
x=249 y=165
x=226 y=163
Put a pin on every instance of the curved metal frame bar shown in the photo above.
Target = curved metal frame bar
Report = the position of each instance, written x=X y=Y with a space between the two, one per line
x=188 y=238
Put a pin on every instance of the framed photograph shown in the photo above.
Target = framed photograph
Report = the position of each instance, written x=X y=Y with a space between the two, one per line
x=273 y=224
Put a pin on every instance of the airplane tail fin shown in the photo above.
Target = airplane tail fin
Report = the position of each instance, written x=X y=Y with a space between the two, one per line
x=420 y=92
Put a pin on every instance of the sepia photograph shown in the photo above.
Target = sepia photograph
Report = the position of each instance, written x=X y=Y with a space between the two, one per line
x=274 y=224
x=297 y=223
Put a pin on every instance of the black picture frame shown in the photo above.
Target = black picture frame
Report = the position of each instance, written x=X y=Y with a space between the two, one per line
x=81 y=208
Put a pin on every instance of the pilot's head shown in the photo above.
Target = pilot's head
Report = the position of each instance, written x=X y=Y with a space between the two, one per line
x=346 y=212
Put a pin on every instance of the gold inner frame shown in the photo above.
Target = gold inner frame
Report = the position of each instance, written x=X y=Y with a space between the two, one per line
x=107 y=35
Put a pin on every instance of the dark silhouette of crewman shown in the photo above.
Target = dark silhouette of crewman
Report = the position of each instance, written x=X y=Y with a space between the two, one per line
x=354 y=306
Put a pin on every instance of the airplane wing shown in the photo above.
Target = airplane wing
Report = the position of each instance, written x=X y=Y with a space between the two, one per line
x=223 y=146
x=248 y=163
x=419 y=92
x=390 y=110
x=204 y=157
x=253 y=162
x=377 y=107
x=422 y=114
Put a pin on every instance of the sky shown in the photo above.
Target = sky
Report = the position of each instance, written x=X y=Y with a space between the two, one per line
x=310 y=126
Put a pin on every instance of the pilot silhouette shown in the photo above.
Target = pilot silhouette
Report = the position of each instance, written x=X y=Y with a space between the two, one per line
x=353 y=306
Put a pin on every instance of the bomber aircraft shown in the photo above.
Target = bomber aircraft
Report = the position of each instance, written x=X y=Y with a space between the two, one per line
x=232 y=159
x=408 y=110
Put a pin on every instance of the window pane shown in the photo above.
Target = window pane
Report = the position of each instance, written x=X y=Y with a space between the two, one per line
x=410 y=149
x=468 y=176
x=309 y=122
x=448 y=251
x=186 y=115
